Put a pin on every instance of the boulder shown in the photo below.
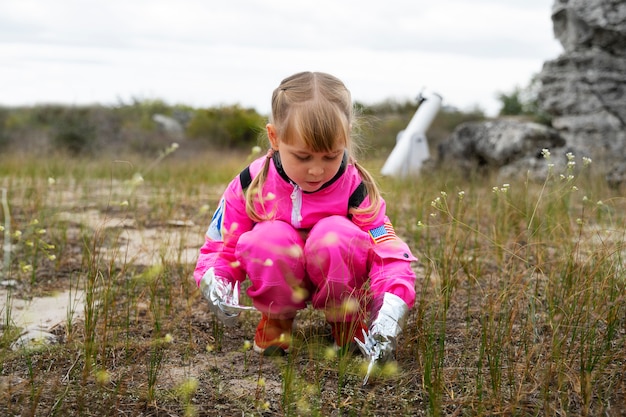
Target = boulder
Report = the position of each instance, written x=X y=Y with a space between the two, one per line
x=495 y=144
x=34 y=337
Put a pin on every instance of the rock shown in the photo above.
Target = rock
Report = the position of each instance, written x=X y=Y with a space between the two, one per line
x=617 y=175
x=585 y=93
x=11 y=383
x=180 y=223
x=586 y=24
x=168 y=124
x=495 y=144
x=33 y=338
x=584 y=89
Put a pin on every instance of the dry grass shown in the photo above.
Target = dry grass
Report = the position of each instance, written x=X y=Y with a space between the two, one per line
x=520 y=308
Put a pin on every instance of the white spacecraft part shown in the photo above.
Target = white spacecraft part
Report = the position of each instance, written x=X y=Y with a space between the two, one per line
x=411 y=148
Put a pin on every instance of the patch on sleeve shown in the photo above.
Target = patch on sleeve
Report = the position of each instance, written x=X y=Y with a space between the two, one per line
x=215 y=228
x=383 y=233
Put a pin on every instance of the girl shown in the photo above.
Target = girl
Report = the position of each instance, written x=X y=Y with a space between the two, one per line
x=307 y=224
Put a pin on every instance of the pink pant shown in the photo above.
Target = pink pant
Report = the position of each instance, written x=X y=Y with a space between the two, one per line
x=287 y=268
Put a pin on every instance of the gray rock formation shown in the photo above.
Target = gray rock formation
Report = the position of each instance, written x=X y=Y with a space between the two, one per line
x=590 y=24
x=584 y=89
x=584 y=92
x=497 y=144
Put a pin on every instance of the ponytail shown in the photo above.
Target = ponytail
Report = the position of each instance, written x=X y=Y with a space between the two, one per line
x=255 y=190
x=372 y=191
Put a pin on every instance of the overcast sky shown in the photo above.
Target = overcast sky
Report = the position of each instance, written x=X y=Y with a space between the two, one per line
x=206 y=53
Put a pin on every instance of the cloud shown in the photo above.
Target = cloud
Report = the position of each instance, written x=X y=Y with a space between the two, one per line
x=237 y=51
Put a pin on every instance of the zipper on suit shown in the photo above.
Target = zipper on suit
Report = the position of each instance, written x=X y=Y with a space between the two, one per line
x=296 y=206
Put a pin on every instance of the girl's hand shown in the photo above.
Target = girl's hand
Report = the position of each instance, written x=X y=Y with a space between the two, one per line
x=389 y=314
x=223 y=297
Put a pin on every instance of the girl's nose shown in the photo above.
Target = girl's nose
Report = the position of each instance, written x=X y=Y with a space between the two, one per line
x=316 y=171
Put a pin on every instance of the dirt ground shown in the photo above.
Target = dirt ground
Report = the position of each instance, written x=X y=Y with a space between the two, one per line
x=147 y=345
x=137 y=369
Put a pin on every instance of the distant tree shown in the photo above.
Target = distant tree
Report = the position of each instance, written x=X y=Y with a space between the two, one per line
x=511 y=103
x=523 y=102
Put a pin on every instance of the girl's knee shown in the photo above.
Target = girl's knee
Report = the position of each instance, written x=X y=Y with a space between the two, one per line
x=336 y=253
x=336 y=232
x=271 y=238
x=271 y=229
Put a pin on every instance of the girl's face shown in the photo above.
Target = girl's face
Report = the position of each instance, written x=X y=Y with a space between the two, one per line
x=309 y=170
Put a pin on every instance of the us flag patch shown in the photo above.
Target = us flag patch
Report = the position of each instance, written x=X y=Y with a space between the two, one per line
x=383 y=233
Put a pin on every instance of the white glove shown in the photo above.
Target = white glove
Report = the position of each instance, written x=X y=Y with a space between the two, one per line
x=389 y=314
x=223 y=297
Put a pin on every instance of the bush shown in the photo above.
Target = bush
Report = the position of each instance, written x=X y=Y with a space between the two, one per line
x=226 y=127
x=74 y=131
x=130 y=127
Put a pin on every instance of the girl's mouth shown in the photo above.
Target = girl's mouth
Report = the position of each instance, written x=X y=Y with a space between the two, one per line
x=314 y=184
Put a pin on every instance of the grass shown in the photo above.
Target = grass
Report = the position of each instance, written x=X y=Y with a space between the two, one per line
x=520 y=306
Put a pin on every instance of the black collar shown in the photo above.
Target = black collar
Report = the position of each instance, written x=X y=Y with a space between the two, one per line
x=342 y=168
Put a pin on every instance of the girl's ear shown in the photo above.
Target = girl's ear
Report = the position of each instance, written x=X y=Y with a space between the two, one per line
x=271 y=134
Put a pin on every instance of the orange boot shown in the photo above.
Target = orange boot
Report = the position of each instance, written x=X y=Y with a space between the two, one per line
x=273 y=336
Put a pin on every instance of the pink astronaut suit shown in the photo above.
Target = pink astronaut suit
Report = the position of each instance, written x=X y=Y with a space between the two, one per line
x=310 y=250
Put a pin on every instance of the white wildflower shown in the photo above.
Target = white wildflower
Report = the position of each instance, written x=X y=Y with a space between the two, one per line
x=137 y=179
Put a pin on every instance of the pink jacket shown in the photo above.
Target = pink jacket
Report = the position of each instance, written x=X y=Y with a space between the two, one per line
x=390 y=269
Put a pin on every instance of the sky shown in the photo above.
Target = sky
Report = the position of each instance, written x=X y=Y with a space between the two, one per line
x=206 y=53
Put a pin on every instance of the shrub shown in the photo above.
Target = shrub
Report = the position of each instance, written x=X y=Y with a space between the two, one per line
x=74 y=131
x=228 y=127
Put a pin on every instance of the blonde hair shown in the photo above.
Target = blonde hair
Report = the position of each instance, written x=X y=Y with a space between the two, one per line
x=317 y=108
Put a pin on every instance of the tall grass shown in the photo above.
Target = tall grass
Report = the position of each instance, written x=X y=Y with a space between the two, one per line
x=539 y=269
x=520 y=307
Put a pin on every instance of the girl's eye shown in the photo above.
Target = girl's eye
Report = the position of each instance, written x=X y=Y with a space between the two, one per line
x=303 y=158
x=332 y=157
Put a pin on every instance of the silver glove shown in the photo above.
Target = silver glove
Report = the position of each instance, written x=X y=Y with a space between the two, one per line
x=223 y=297
x=388 y=318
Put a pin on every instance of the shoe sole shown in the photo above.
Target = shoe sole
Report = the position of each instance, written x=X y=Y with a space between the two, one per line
x=270 y=351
